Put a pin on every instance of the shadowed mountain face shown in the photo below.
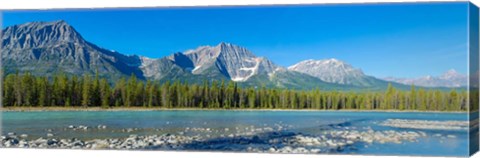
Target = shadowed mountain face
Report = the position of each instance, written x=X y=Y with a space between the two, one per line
x=48 y=48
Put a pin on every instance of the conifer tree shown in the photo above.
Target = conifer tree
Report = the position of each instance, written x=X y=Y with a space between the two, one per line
x=86 y=91
x=105 y=93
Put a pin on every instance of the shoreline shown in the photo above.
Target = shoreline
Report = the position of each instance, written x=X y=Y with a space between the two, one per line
x=60 y=109
x=339 y=141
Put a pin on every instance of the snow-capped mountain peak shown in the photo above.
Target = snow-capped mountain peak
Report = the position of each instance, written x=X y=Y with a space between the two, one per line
x=452 y=74
x=235 y=62
x=330 y=70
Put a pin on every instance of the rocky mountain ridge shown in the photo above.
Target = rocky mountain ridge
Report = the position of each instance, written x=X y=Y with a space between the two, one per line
x=47 y=48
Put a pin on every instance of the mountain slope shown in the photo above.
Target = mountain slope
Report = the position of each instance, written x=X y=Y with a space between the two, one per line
x=334 y=71
x=46 y=48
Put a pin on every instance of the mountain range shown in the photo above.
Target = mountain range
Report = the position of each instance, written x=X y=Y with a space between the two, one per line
x=47 y=48
x=451 y=78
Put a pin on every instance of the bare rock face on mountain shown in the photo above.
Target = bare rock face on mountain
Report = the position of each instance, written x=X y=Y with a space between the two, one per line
x=224 y=61
x=333 y=71
x=451 y=78
x=237 y=63
x=46 y=48
x=39 y=34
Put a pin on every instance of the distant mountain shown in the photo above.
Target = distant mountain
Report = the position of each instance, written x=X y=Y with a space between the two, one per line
x=46 y=48
x=451 y=78
x=334 y=71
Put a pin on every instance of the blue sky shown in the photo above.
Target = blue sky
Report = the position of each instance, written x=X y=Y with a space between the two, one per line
x=401 y=40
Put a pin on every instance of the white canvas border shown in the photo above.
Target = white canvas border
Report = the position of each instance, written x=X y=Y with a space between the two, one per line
x=62 y=4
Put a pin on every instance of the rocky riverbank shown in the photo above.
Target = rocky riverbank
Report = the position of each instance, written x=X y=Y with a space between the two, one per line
x=425 y=124
x=332 y=141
